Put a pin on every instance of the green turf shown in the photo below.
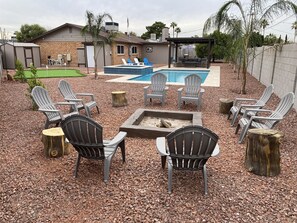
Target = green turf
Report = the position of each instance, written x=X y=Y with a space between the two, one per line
x=55 y=73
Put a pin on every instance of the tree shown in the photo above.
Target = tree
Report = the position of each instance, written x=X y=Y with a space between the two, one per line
x=263 y=24
x=249 y=20
x=294 y=26
x=95 y=27
x=270 y=39
x=173 y=25
x=155 y=28
x=28 y=32
x=177 y=30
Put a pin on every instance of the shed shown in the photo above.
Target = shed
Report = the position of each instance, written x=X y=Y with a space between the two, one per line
x=25 y=52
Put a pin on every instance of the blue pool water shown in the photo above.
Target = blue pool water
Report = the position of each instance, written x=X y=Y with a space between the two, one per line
x=175 y=76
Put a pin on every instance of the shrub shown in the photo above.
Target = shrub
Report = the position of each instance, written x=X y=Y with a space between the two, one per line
x=32 y=83
x=19 y=74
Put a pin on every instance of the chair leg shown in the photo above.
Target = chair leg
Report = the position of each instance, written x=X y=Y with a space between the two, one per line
x=243 y=133
x=229 y=114
x=122 y=146
x=237 y=128
x=88 y=112
x=77 y=165
x=234 y=118
x=169 y=178
x=97 y=109
x=163 y=161
x=106 y=168
x=205 y=179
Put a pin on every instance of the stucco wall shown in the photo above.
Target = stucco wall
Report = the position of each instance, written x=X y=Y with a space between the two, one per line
x=158 y=55
x=279 y=67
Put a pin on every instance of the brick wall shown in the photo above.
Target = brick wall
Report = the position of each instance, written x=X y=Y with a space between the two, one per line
x=117 y=58
x=54 y=48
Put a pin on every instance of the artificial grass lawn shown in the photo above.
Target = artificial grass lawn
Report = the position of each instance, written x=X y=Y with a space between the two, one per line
x=54 y=73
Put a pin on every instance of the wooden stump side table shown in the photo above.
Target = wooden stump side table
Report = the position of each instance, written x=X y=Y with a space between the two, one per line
x=119 y=98
x=54 y=143
x=262 y=152
x=225 y=105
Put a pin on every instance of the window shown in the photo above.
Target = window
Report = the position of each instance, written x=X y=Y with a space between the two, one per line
x=134 y=49
x=120 y=49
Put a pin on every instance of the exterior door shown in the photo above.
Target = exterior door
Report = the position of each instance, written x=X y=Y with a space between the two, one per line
x=28 y=56
x=90 y=56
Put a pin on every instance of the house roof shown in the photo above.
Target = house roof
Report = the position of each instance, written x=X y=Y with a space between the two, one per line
x=190 y=40
x=121 y=37
x=18 y=44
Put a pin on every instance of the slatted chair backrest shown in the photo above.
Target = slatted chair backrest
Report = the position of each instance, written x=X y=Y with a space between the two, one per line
x=191 y=146
x=158 y=82
x=66 y=90
x=192 y=85
x=282 y=109
x=43 y=100
x=265 y=96
x=85 y=135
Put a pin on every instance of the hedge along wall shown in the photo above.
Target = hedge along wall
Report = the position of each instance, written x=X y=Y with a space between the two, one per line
x=276 y=65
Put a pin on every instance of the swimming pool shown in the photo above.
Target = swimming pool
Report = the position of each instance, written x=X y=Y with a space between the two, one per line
x=174 y=76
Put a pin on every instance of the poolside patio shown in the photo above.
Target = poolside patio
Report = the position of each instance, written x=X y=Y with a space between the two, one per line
x=37 y=189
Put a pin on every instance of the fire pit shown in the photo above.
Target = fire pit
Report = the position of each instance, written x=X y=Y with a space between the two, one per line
x=146 y=123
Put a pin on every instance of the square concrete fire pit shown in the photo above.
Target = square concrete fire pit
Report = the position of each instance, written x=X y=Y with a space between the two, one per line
x=144 y=123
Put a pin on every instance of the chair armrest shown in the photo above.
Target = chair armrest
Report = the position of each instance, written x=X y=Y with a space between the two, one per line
x=116 y=140
x=216 y=150
x=256 y=111
x=86 y=94
x=68 y=103
x=161 y=146
x=244 y=99
x=266 y=118
x=73 y=99
x=48 y=110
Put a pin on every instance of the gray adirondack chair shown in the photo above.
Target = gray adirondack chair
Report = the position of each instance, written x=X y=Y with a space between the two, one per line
x=192 y=91
x=86 y=137
x=70 y=96
x=262 y=122
x=157 y=89
x=48 y=108
x=239 y=105
x=188 y=148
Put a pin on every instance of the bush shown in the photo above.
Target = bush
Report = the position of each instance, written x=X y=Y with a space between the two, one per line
x=32 y=83
x=19 y=74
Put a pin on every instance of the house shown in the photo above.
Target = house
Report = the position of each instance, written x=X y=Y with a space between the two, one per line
x=67 y=43
x=27 y=53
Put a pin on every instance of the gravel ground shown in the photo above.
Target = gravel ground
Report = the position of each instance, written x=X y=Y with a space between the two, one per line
x=38 y=189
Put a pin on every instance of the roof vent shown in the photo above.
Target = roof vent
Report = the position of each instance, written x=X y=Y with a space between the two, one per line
x=111 y=26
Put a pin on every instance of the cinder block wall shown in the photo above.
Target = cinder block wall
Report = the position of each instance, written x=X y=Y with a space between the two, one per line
x=279 y=67
x=49 y=48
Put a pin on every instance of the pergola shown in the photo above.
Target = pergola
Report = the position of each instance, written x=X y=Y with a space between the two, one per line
x=189 y=40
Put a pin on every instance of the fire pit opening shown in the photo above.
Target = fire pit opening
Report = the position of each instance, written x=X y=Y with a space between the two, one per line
x=146 y=123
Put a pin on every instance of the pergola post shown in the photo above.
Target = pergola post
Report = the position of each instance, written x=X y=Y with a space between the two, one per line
x=169 y=55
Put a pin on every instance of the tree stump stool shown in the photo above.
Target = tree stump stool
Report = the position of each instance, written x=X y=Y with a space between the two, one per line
x=262 y=152
x=225 y=105
x=54 y=143
x=119 y=98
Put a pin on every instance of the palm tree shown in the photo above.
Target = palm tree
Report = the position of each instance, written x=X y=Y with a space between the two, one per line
x=173 y=25
x=294 y=26
x=249 y=21
x=263 y=24
x=177 y=30
x=95 y=27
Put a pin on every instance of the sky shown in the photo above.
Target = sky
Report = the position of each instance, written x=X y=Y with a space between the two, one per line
x=190 y=15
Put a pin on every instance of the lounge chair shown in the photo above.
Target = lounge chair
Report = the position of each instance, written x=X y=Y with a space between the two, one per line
x=265 y=122
x=136 y=61
x=86 y=137
x=188 y=148
x=70 y=96
x=129 y=61
x=192 y=91
x=147 y=62
x=124 y=61
x=239 y=105
x=157 y=89
x=49 y=109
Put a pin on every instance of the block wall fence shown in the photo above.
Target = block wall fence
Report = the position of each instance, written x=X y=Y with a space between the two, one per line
x=275 y=65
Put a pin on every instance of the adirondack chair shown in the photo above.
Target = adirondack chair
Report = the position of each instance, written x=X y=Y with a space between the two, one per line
x=86 y=137
x=262 y=122
x=147 y=62
x=157 y=89
x=188 y=148
x=48 y=108
x=70 y=96
x=192 y=91
x=239 y=107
